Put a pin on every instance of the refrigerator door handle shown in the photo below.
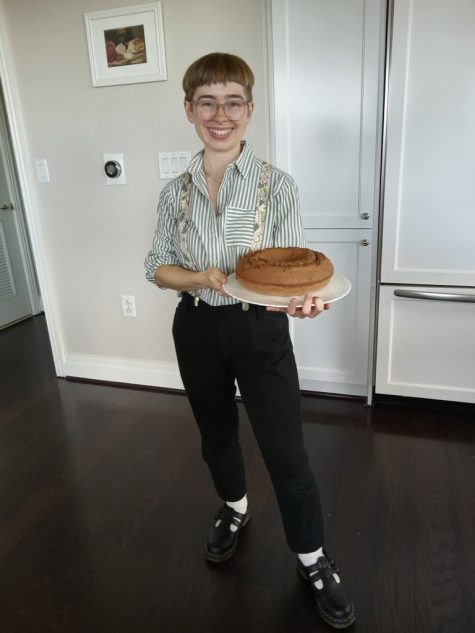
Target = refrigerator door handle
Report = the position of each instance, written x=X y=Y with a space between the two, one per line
x=435 y=296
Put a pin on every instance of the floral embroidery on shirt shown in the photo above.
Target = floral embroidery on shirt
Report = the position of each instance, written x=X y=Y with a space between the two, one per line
x=261 y=206
x=183 y=220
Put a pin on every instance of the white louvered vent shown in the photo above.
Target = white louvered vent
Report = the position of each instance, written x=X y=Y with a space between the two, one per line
x=7 y=283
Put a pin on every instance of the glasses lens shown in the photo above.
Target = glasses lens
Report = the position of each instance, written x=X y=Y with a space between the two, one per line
x=233 y=109
x=206 y=109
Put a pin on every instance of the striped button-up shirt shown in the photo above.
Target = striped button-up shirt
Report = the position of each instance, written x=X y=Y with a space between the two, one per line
x=218 y=238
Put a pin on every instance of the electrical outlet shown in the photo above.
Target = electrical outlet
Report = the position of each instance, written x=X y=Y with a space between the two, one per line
x=128 y=305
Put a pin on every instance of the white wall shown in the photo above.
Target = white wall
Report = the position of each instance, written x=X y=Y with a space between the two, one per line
x=94 y=236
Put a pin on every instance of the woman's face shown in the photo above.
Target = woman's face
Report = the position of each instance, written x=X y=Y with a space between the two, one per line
x=222 y=132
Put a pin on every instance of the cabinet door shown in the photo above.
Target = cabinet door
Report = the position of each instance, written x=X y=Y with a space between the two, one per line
x=429 y=211
x=332 y=349
x=426 y=347
x=326 y=66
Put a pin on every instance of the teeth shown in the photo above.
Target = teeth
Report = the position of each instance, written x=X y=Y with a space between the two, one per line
x=219 y=131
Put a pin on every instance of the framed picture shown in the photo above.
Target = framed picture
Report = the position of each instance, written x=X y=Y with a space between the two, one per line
x=126 y=45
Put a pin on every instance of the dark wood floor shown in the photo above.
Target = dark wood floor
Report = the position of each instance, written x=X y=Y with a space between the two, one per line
x=105 y=503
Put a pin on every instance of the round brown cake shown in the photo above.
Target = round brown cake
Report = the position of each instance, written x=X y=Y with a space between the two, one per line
x=284 y=271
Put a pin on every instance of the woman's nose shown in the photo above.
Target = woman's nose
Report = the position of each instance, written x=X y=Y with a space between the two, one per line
x=220 y=109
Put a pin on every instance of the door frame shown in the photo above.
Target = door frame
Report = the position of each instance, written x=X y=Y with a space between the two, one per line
x=19 y=161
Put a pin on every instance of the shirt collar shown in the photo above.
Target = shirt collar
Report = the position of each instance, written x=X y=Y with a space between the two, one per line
x=245 y=159
x=242 y=163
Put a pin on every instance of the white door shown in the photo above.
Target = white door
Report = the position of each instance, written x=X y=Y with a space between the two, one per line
x=15 y=301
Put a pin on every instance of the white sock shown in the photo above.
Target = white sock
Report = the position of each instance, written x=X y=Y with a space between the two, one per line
x=310 y=559
x=239 y=506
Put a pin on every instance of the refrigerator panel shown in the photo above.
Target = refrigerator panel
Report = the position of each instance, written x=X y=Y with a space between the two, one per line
x=429 y=193
x=426 y=346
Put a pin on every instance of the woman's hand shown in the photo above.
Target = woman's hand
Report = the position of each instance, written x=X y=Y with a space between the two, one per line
x=214 y=278
x=311 y=307
x=178 y=278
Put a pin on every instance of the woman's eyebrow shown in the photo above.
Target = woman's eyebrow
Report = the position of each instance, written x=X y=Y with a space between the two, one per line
x=214 y=97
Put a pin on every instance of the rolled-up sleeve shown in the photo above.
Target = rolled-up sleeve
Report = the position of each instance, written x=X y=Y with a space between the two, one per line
x=163 y=249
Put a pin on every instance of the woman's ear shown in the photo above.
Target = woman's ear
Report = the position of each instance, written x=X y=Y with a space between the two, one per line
x=189 y=111
x=250 y=110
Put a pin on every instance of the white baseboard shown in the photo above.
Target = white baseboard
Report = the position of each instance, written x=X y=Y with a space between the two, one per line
x=342 y=389
x=165 y=375
x=134 y=372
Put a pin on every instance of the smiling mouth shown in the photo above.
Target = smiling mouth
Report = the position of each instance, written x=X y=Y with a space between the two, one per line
x=220 y=132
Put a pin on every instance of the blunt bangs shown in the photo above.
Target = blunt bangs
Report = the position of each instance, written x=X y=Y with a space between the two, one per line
x=217 y=68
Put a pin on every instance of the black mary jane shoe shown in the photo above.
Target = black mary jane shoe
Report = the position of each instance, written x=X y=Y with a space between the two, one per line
x=333 y=601
x=222 y=541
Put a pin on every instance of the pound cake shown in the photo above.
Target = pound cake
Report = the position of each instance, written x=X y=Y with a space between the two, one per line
x=284 y=271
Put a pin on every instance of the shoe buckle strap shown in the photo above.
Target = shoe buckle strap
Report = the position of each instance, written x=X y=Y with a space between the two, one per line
x=236 y=521
x=321 y=570
x=229 y=516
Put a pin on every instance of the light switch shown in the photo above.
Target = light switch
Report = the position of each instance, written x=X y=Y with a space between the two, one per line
x=42 y=170
x=172 y=164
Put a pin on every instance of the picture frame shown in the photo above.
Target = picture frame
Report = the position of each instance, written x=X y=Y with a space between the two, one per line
x=126 y=45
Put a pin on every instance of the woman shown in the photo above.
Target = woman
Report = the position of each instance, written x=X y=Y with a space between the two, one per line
x=226 y=204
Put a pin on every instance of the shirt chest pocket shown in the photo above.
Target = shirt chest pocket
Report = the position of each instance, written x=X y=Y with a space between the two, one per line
x=239 y=226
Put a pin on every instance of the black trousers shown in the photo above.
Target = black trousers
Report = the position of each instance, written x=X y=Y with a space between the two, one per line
x=215 y=346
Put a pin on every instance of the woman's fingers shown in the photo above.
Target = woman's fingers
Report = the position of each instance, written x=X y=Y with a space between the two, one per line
x=310 y=308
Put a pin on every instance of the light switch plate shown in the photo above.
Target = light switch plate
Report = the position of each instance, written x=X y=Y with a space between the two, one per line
x=42 y=172
x=172 y=164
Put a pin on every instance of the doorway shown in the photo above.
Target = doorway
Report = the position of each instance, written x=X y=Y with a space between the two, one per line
x=19 y=295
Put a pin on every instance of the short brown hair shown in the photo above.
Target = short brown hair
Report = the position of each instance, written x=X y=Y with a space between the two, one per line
x=217 y=68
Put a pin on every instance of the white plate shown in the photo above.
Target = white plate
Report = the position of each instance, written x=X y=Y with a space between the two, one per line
x=337 y=288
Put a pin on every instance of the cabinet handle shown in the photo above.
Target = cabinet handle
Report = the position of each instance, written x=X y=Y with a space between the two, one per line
x=364 y=242
x=6 y=206
x=365 y=216
x=435 y=296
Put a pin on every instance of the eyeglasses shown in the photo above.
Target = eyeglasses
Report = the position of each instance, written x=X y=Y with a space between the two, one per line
x=208 y=108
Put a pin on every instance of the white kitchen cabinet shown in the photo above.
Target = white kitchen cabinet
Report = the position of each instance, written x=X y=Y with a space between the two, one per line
x=332 y=349
x=327 y=65
x=426 y=347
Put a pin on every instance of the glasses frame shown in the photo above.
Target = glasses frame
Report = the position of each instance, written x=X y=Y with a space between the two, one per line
x=243 y=102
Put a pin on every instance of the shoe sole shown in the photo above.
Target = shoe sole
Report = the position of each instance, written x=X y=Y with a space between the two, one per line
x=336 y=624
x=222 y=559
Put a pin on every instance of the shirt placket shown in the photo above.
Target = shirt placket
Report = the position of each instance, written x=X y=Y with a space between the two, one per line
x=217 y=222
x=214 y=238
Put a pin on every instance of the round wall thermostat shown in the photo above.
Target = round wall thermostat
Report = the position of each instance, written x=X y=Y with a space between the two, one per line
x=112 y=169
